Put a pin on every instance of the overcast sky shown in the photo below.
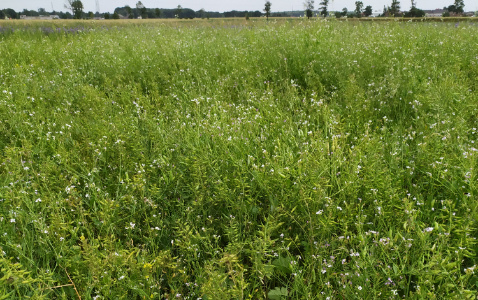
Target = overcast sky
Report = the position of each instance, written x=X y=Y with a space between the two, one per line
x=225 y=5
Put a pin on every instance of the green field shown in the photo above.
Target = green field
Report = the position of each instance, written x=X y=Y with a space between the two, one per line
x=238 y=160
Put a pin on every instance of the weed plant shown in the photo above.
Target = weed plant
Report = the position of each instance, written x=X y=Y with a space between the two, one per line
x=243 y=160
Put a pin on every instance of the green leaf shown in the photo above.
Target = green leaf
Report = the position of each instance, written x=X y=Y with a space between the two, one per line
x=278 y=293
x=283 y=264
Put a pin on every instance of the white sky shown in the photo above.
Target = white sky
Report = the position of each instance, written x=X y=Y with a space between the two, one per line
x=225 y=5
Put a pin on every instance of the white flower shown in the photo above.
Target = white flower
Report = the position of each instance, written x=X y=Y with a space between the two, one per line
x=470 y=270
x=12 y=220
x=428 y=229
x=319 y=212
x=359 y=288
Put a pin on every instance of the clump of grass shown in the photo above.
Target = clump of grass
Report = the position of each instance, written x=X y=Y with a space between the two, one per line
x=239 y=160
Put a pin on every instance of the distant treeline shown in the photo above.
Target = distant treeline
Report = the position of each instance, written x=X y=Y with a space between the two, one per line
x=187 y=13
x=181 y=13
x=150 y=13
x=127 y=12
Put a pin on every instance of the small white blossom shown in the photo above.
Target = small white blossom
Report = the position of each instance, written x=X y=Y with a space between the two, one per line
x=428 y=229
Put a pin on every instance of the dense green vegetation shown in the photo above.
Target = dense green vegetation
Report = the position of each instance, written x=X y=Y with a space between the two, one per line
x=246 y=160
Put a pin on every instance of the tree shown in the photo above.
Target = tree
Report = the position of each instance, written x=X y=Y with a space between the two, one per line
x=179 y=9
x=42 y=11
x=139 y=5
x=414 y=11
x=323 y=8
x=2 y=15
x=202 y=13
x=459 y=6
x=29 y=13
x=395 y=8
x=368 y=11
x=142 y=10
x=157 y=13
x=34 y=13
x=344 y=12
x=76 y=7
x=126 y=11
x=129 y=12
x=91 y=15
x=10 y=13
x=106 y=16
x=267 y=9
x=358 y=8
x=115 y=16
x=188 y=13
x=456 y=8
x=309 y=7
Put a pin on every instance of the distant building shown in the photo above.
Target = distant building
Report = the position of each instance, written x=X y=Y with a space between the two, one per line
x=51 y=17
x=434 y=13
x=439 y=12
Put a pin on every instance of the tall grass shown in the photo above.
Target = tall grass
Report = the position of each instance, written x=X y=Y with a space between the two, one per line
x=218 y=160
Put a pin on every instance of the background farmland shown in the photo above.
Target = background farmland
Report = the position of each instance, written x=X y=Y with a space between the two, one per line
x=238 y=160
